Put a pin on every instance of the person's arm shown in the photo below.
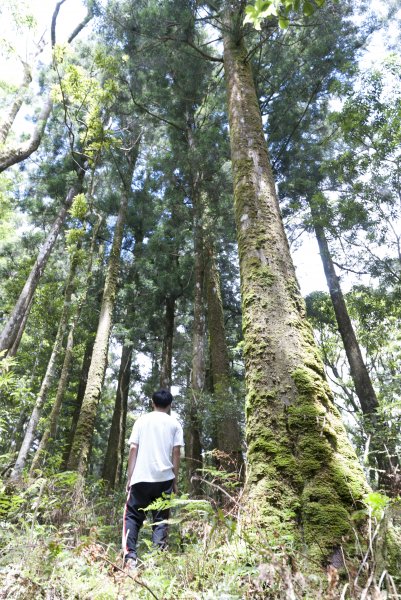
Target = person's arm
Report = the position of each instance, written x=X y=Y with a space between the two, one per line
x=133 y=453
x=176 y=467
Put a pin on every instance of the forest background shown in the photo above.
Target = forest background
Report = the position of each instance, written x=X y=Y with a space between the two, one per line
x=128 y=263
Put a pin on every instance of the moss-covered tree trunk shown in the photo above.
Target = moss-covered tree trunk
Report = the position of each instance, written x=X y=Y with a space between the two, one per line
x=382 y=456
x=111 y=465
x=79 y=455
x=304 y=479
x=83 y=380
x=48 y=378
x=228 y=434
x=12 y=329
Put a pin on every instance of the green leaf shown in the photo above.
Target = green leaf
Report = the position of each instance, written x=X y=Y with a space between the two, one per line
x=308 y=9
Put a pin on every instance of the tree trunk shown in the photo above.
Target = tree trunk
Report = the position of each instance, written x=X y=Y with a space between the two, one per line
x=12 y=329
x=111 y=465
x=51 y=426
x=86 y=363
x=193 y=442
x=167 y=348
x=78 y=460
x=13 y=350
x=226 y=418
x=14 y=155
x=382 y=456
x=304 y=479
x=48 y=378
x=9 y=119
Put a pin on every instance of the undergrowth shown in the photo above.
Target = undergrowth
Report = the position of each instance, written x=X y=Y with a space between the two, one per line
x=59 y=542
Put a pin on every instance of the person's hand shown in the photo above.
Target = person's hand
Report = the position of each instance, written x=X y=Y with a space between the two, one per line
x=175 y=488
x=127 y=488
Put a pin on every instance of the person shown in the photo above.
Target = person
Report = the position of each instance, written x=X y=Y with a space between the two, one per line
x=153 y=464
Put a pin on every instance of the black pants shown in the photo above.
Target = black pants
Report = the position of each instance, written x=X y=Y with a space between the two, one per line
x=140 y=496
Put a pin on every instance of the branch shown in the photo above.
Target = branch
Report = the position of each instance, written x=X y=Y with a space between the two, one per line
x=138 y=581
x=195 y=47
x=348 y=269
x=297 y=124
x=80 y=27
x=152 y=114
x=12 y=156
x=54 y=22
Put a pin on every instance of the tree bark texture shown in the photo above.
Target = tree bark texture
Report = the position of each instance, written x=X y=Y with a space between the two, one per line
x=228 y=432
x=78 y=460
x=111 y=465
x=12 y=329
x=48 y=377
x=167 y=347
x=304 y=479
x=382 y=456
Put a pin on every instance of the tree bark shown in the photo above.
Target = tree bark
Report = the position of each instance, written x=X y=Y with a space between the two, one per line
x=193 y=437
x=382 y=457
x=167 y=348
x=13 y=350
x=51 y=426
x=47 y=379
x=16 y=105
x=12 y=156
x=228 y=432
x=79 y=455
x=12 y=328
x=111 y=465
x=304 y=479
x=79 y=399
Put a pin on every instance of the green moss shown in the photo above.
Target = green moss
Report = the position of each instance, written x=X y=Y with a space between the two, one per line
x=325 y=526
x=257 y=272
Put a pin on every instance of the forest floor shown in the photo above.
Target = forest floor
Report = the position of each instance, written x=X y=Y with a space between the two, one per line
x=56 y=544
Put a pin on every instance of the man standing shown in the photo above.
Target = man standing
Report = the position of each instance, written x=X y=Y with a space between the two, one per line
x=153 y=464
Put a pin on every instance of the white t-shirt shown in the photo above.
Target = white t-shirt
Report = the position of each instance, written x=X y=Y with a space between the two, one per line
x=156 y=434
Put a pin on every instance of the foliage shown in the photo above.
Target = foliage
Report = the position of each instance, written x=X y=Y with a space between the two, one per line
x=282 y=9
x=71 y=550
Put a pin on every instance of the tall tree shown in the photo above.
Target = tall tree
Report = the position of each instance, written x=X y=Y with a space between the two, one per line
x=296 y=441
x=382 y=452
x=226 y=415
x=49 y=375
x=50 y=429
x=83 y=435
x=12 y=329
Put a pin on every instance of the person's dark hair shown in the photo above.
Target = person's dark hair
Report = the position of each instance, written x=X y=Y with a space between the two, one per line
x=162 y=398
